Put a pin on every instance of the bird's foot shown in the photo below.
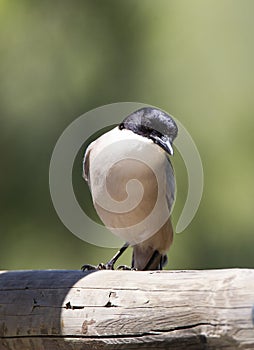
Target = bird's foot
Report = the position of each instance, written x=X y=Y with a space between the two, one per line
x=110 y=264
x=101 y=266
x=88 y=267
x=126 y=268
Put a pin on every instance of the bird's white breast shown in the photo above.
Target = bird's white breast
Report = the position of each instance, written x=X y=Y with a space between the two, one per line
x=131 y=182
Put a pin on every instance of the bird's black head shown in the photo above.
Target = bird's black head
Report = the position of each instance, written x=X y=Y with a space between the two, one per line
x=154 y=124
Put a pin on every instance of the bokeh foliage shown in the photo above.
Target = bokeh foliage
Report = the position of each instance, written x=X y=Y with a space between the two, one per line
x=194 y=59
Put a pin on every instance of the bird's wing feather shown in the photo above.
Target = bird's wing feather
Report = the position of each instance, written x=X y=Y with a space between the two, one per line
x=170 y=184
x=86 y=162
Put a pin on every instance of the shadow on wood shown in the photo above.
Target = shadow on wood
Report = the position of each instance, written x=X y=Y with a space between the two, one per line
x=74 y=310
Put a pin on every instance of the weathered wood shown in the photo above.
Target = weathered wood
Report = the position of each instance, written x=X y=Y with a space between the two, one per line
x=53 y=310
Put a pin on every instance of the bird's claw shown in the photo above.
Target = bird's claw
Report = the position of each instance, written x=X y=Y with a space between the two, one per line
x=88 y=267
x=126 y=268
x=101 y=266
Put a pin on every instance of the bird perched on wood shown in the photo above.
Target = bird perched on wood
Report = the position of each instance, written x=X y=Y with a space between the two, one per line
x=132 y=184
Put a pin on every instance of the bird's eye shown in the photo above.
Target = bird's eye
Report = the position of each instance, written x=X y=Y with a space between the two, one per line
x=121 y=126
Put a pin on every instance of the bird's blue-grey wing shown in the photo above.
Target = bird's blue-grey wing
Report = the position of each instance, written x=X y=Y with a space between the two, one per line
x=170 y=184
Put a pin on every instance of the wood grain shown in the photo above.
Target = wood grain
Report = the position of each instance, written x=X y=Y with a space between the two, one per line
x=58 y=309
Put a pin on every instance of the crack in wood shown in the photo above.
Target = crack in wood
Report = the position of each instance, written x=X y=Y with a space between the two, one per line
x=152 y=332
x=73 y=307
x=190 y=326
x=110 y=304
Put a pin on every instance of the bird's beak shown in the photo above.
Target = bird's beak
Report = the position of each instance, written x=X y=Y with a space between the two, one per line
x=168 y=146
x=165 y=143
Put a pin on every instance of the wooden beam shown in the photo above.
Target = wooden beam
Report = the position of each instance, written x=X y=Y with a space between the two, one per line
x=74 y=310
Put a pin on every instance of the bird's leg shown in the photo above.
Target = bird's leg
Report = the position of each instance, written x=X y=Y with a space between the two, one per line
x=110 y=264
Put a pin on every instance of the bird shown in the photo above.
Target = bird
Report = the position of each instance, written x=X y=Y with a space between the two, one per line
x=132 y=185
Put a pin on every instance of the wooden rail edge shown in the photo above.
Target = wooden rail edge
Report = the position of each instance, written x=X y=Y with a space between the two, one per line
x=74 y=310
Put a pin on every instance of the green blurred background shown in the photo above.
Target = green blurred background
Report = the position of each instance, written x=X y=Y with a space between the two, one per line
x=194 y=59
